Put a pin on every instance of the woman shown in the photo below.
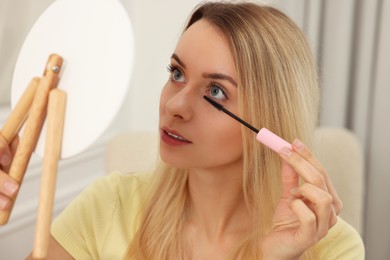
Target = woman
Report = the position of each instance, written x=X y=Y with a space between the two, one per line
x=219 y=194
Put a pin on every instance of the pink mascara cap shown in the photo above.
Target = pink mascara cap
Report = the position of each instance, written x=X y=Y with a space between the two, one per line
x=271 y=140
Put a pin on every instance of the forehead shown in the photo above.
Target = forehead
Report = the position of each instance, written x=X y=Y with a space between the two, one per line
x=204 y=45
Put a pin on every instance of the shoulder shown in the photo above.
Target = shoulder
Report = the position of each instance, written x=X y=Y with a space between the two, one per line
x=117 y=185
x=342 y=242
x=125 y=191
x=113 y=192
x=102 y=217
x=106 y=192
x=117 y=180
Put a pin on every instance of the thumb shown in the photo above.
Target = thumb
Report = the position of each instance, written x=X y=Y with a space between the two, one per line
x=290 y=179
x=5 y=153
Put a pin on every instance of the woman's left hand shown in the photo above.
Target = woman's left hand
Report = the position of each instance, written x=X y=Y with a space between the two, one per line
x=305 y=212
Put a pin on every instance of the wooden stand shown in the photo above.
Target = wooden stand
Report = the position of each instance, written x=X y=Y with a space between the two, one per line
x=32 y=108
x=55 y=125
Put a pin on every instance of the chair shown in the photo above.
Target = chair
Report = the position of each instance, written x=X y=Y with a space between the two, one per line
x=341 y=153
x=338 y=149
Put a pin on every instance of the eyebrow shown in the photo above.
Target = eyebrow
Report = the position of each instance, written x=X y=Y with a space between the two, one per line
x=175 y=57
x=219 y=76
x=207 y=75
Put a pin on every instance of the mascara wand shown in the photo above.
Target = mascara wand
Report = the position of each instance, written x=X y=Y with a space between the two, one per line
x=264 y=135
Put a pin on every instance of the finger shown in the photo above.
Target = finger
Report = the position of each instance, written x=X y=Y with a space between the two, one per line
x=307 y=223
x=290 y=180
x=333 y=215
x=5 y=152
x=5 y=202
x=13 y=146
x=320 y=202
x=333 y=218
x=8 y=186
x=302 y=150
x=306 y=170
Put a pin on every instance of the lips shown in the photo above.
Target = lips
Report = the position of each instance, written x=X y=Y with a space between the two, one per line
x=172 y=137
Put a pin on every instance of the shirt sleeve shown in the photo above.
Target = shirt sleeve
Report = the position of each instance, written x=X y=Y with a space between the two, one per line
x=83 y=226
x=342 y=242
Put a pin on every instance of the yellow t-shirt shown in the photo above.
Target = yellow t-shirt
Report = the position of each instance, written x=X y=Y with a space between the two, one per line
x=100 y=222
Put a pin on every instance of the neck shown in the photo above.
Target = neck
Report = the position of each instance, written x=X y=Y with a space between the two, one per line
x=217 y=205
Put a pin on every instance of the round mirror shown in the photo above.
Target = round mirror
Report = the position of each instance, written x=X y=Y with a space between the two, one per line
x=95 y=39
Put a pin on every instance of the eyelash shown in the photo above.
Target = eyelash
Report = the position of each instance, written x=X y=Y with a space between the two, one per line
x=171 y=68
x=219 y=86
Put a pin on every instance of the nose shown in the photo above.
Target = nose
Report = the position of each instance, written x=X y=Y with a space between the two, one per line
x=180 y=104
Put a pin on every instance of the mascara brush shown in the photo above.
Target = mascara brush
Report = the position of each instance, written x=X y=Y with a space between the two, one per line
x=263 y=135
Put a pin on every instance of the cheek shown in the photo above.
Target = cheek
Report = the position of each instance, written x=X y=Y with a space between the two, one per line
x=232 y=141
x=226 y=139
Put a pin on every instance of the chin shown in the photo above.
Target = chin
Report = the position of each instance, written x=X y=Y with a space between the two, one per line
x=175 y=162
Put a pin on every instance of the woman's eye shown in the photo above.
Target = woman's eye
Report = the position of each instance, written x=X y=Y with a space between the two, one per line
x=217 y=92
x=176 y=74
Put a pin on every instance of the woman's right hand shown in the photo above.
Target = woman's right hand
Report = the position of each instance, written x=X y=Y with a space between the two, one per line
x=8 y=186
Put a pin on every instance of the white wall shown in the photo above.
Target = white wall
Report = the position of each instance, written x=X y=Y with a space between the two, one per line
x=157 y=25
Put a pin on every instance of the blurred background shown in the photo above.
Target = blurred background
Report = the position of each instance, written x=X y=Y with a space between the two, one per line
x=350 y=40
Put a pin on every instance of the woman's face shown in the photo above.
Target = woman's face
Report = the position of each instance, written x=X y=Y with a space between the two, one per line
x=193 y=133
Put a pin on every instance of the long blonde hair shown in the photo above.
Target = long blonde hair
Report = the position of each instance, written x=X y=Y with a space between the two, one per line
x=278 y=89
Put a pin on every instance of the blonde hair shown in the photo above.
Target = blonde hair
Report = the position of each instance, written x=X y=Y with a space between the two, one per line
x=278 y=89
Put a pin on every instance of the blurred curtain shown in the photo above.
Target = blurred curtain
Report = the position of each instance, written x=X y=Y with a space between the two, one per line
x=369 y=110
x=351 y=41
x=354 y=62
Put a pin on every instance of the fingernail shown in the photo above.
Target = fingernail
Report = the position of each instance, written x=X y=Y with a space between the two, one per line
x=10 y=188
x=5 y=159
x=3 y=204
x=286 y=151
x=298 y=144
